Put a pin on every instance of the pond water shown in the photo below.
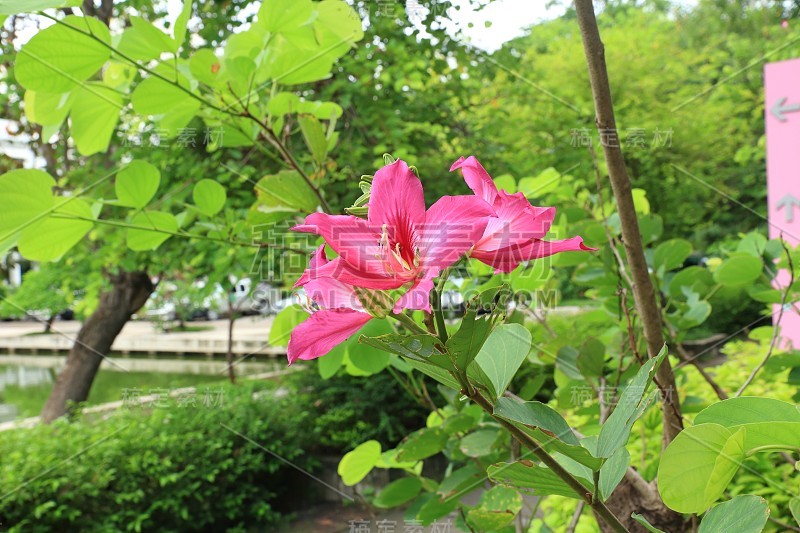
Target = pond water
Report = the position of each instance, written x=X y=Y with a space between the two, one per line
x=26 y=381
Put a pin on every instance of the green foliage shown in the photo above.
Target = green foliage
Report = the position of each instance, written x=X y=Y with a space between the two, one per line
x=169 y=469
x=700 y=463
x=46 y=291
x=341 y=412
x=632 y=402
x=747 y=514
x=356 y=464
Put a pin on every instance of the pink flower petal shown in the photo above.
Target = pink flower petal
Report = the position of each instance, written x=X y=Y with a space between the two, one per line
x=354 y=239
x=452 y=226
x=318 y=260
x=417 y=297
x=507 y=259
x=517 y=223
x=477 y=178
x=396 y=199
x=322 y=332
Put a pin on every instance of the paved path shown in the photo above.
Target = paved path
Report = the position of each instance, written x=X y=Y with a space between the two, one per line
x=250 y=336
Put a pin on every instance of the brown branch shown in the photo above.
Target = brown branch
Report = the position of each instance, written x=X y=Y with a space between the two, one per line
x=643 y=291
x=581 y=491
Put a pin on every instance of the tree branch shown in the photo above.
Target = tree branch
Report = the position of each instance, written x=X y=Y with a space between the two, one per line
x=643 y=290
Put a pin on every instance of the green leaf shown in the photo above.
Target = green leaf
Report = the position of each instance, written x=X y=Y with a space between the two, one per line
x=643 y=521
x=27 y=196
x=435 y=508
x=462 y=479
x=284 y=323
x=285 y=15
x=671 y=254
x=13 y=7
x=794 y=507
x=337 y=22
x=506 y=183
x=497 y=508
x=465 y=344
x=753 y=243
x=356 y=464
x=536 y=414
x=525 y=474
x=314 y=136
x=422 y=443
x=332 y=362
x=697 y=466
x=209 y=196
x=613 y=471
x=47 y=109
x=59 y=58
x=205 y=66
x=142 y=41
x=286 y=188
x=365 y=358
x=283 y=103
x=502 y=354
x=95 y=112
x=739 y=270
x=640 y=202
x=616 y=430
x=567 y=362
x=118 y=75
x=435 y=372
x=591 y=358
x=458 y=423
x=743 y=514
x=479 y=443
x=747 y=410
x=398 y=492
x=179 y=29
x=695 y=278
x=163 y=224
x=420 y=347
x=136 y=184
x=767 y=422
x=547 y=181
x=50 y=238
x=166 y=102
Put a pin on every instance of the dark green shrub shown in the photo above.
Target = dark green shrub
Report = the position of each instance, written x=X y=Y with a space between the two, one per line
x=171 y=468
x=342 y=412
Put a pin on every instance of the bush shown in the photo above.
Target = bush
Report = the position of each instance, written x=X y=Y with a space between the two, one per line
x=170 y=468
x=342 y=412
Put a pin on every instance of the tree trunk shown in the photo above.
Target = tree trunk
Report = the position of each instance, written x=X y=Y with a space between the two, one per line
x=633 y=494
x=48 y=324
x=128 y=293
x=229 y=355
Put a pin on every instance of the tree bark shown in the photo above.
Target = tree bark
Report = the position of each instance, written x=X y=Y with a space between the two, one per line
x=48 y=324
x=643 y=290
x=633 y=494
x=128 y=293
x=229 y=354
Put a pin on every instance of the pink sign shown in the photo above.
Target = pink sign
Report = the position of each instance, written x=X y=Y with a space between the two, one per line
x=782 y=110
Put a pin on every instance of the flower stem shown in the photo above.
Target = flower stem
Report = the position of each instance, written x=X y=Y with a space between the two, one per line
x=409 y=323
x=583 y=492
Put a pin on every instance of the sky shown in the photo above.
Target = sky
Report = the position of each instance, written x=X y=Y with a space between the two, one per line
x=508 y=18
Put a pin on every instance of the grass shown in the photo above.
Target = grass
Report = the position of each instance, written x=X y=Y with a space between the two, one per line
x=109 y=386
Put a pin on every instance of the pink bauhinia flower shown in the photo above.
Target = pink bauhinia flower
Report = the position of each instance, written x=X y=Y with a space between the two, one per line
x=339 y=316
x=515 y=234
x=400 y=248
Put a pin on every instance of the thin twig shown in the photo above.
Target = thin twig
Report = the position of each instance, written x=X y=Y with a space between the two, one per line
x=776 y=327
x=576 y=516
